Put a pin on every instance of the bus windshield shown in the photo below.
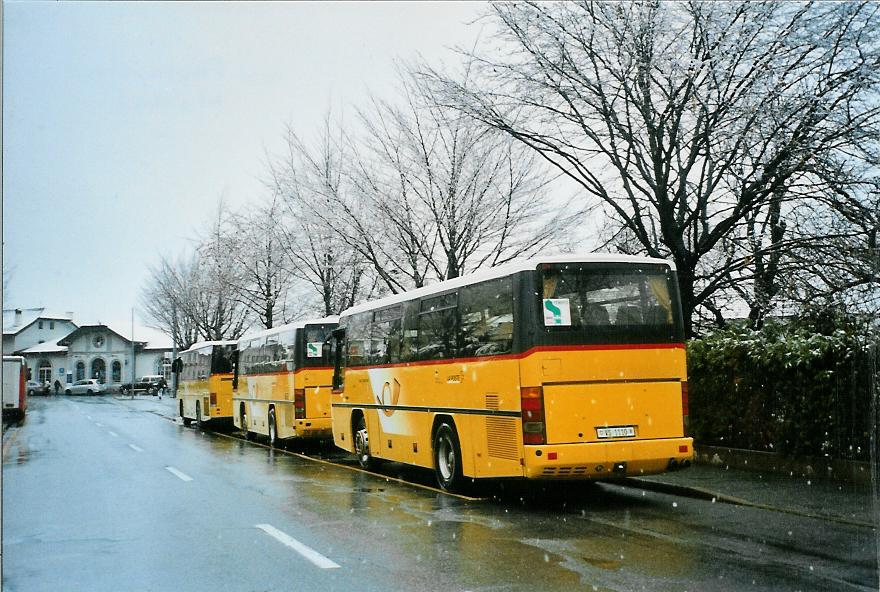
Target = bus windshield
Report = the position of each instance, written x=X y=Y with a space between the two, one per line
x=590 y=303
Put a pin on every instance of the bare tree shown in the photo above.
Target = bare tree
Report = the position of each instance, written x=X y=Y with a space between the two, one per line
x=217 y=307
x=261 y=279
x=310 y=185
x=682 y=118
x=453 y=194
x=167 y=300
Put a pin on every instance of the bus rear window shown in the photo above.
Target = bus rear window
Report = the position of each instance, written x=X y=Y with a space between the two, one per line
x=314 y=337
x=602 y=304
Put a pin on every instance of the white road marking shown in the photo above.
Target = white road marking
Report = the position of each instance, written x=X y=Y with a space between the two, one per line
x=100 y=425
x=114 y=434
x=135 y=448
x=89 y=417
x=287 y=540
x=178 y=474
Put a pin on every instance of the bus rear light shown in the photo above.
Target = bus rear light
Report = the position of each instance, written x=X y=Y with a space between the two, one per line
x=213 y=399
x=532 y=405
x=684 y=406
x=299 y=403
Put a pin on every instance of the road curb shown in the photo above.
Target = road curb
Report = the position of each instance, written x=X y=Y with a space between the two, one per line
x=718 y=497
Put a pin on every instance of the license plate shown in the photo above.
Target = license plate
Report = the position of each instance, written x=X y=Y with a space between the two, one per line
x=616 y=432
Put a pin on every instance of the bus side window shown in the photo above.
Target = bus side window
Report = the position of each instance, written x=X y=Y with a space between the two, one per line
x=486 y=319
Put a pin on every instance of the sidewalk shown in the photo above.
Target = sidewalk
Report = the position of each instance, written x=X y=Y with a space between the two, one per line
x=830 y=500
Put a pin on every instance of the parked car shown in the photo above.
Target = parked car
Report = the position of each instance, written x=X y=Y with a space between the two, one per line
x=37 y=388
x=84 y=387
x=151 y=384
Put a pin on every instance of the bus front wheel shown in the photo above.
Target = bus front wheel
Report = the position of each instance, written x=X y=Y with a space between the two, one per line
x=198 y=414
x=447 y=458
x=186 y=421
x=362 y=443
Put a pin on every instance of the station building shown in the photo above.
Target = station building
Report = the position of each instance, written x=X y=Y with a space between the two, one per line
x=58 y=349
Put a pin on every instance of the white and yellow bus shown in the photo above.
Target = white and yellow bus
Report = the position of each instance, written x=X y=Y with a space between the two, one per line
x=205 y=383
x=549 y=368
x=283 y=382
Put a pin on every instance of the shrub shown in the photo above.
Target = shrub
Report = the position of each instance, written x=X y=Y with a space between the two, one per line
x=786 y=388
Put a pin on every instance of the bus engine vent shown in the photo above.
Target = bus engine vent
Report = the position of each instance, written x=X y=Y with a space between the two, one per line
x=492 y=402
x=502 y=437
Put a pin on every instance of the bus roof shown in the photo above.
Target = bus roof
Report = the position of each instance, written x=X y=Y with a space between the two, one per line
x=288 y=327
x=204 y=344
x=502 y=271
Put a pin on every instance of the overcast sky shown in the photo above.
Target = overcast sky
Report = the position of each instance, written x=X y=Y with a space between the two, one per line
x=125 y=123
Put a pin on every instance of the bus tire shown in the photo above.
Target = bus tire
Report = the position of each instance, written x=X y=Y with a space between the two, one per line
x=273 y=430
x=447 y=458
x=243 y=418
x=362 y=443
x=199 y=414
x=186 y=421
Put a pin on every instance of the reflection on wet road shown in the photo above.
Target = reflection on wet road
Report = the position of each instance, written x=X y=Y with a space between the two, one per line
x=83 y=509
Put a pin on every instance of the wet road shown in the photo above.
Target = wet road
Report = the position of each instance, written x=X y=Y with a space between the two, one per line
x=100 y=494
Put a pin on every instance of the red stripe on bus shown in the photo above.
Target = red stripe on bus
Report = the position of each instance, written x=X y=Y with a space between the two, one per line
x=529 y=352
x=297 y=371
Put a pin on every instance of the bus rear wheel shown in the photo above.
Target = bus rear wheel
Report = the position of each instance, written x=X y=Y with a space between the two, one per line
x=199 y=414
x=186 y=421
x=362 y=443
x=447 y=458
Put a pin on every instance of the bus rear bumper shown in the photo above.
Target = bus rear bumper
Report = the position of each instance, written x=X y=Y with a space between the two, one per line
x=313 y=428
x=606 y=460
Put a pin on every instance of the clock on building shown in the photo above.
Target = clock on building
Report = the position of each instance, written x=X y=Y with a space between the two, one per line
x=98 y=340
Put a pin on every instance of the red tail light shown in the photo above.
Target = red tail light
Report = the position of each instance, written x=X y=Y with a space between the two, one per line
x=299 y=403
x=684 y=406
x=532 y=405
x=213 y=399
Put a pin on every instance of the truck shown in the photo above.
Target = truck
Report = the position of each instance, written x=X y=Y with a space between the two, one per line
x=15 y=376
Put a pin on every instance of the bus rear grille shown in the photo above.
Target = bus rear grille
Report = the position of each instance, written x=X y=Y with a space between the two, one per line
x=492 y=402
x=501 y=434
x=562 y=472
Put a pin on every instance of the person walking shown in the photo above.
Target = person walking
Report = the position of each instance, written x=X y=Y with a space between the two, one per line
x=57 y=387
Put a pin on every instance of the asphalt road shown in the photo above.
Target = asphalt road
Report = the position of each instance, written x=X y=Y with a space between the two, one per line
x=100 y=494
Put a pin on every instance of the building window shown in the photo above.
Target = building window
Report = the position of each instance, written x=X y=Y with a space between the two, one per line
x=99 y=370
x=45 y=371
x=51 y=324
x=116 y=371
x=40 y=324
x=80 y=371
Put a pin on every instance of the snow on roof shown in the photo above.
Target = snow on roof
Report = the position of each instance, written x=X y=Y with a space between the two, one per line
x=502 y=271
x=47 y=347
x=13 y=323
x=288 y=327
x=203 y=344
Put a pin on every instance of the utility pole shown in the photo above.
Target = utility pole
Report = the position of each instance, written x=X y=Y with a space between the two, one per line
x=132 y=354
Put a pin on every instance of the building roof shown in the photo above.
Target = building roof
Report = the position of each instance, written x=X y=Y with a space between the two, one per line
x=14 y=323
x=47 y=347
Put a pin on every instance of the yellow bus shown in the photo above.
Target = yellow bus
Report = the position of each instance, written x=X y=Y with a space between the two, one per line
x=549 y=368
x=205 y=383
x=283 y=382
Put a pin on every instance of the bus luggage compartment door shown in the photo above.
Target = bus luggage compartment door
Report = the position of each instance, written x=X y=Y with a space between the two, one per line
x=612 y=411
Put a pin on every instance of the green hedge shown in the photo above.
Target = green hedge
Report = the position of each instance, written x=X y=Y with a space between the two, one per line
x=784 y=388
